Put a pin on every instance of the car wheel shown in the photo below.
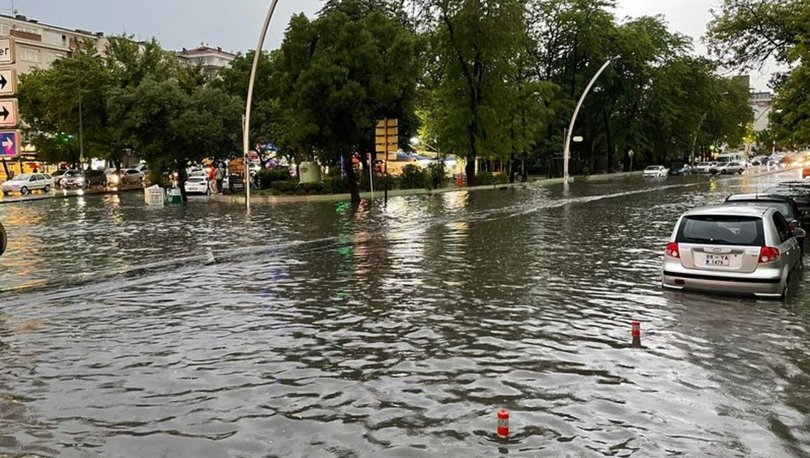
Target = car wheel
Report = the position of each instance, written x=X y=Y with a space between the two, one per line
x=23 y=190
x=47 y=188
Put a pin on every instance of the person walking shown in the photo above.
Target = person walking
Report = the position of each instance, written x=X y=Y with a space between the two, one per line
x=212 y=178
x=220 y=175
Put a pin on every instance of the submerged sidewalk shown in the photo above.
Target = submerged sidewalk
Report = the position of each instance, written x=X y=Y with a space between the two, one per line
x=240 y=198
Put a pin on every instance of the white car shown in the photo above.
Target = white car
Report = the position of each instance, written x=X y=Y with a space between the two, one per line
x=197 y=184
x=28 y=182
x=705 y=167
x=655 y=171
x=728 y=168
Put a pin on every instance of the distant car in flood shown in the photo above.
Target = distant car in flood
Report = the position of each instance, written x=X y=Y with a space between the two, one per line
x=655 y=171
x=197 y=184
x=680 y=169
x=28 y=182
x=705 y=167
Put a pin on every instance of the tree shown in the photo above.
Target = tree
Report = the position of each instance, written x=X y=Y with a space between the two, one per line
x=338 y=74
x=750 y=32
x=171 y=128
x=477 y=46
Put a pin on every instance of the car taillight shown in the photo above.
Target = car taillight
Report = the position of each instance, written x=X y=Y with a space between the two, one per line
x=768 y=254
x=673 y=250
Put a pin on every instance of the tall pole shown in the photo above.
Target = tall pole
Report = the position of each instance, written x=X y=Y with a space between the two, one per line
x=570 y=131
x=81 y=134
x=246 y=130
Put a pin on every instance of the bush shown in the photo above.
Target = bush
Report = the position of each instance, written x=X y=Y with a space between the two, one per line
x=285 y=187
x=438 y=177
x=335 y=185
x=414 y=178
x=265 y=178
x=310 y=188
x=488 y=178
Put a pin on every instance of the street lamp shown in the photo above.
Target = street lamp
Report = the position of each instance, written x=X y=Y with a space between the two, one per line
x=246 y=127
x=570 y=131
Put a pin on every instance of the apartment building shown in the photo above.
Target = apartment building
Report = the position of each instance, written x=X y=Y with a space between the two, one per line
x=39 y=45
x=211 y=60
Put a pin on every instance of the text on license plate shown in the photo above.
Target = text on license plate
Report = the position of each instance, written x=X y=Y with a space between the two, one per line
x=718 y=260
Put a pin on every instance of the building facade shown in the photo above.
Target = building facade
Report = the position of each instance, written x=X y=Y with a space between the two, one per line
x=762 y=104
x=39 y=45
x=211 y=60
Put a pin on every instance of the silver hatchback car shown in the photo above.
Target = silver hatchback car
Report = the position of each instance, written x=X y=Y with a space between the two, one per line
x=741 y=250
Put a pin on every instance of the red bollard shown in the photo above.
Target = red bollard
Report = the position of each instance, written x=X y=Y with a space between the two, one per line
x=636 y=334
x=503 y=423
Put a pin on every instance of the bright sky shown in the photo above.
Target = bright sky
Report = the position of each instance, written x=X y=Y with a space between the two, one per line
x=235 y=24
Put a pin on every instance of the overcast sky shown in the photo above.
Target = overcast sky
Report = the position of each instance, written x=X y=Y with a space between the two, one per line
x=235 y=24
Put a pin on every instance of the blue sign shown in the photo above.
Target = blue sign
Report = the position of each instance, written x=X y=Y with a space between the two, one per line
x=9 y=143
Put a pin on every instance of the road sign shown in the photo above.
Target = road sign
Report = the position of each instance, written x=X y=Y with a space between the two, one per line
x=387 y=136
x=7 y=51
x=8 y=82
x=8 y=112
x=9 y=143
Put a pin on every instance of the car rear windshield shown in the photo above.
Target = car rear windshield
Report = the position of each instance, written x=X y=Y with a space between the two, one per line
x=721 y=230
x=782 y=207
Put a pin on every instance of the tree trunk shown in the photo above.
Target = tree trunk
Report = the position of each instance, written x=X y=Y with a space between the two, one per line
x=181 y=179
x=351 y=179
x=609 y=157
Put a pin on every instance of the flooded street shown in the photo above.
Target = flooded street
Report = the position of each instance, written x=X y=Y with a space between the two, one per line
x=322 y=330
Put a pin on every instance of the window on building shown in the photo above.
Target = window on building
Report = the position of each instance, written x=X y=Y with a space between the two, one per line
x=30 y=55
x=5 y=29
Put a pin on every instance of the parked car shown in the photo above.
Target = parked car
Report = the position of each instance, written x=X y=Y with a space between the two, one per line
x=784 y=205
x=728 y=249
x=680 y=169
x=799 y=191
x=57 y=176
x=126 y=177
x=655 y=171
x=197 y=184
x=28 y=182
x=705 y=167
x=728 y=168
x=95 y=178
x=73 y=179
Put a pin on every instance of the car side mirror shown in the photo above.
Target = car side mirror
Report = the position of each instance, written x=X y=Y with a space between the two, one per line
x=799 y=233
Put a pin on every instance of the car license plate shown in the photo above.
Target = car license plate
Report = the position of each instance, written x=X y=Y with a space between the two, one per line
x=718 y=260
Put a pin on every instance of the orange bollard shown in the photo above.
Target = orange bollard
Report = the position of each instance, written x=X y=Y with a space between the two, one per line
x=503 y=423
x=636 y=333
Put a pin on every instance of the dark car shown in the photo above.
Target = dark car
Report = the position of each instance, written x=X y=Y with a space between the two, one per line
x=785 y=205
x=680 y=169
x=95 y=178
x=799 y=191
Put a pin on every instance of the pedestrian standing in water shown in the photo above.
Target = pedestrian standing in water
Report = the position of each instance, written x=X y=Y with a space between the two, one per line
x=212 y=178
x=220 y=176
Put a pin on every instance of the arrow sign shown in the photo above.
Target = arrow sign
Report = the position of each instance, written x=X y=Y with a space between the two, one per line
x=9 y=143
x=8 y=113
x=8 y=82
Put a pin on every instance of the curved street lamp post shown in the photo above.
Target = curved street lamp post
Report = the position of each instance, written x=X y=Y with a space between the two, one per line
x=570 y=131
x=246 y=126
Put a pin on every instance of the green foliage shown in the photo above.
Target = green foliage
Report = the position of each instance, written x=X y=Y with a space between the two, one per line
x=489 y=178
x=285 y=187
x=265 y=178
x=414 y=177
x=750 y=32
x=335 y=185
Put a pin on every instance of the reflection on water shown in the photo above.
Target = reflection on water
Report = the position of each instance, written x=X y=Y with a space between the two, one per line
x=387 y=330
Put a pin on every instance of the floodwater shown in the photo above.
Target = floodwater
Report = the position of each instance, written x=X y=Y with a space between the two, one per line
x=398 y=330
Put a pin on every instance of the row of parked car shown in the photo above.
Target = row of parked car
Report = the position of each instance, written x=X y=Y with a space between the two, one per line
x=714 y=168
x=751 y=244
x=73 y=179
